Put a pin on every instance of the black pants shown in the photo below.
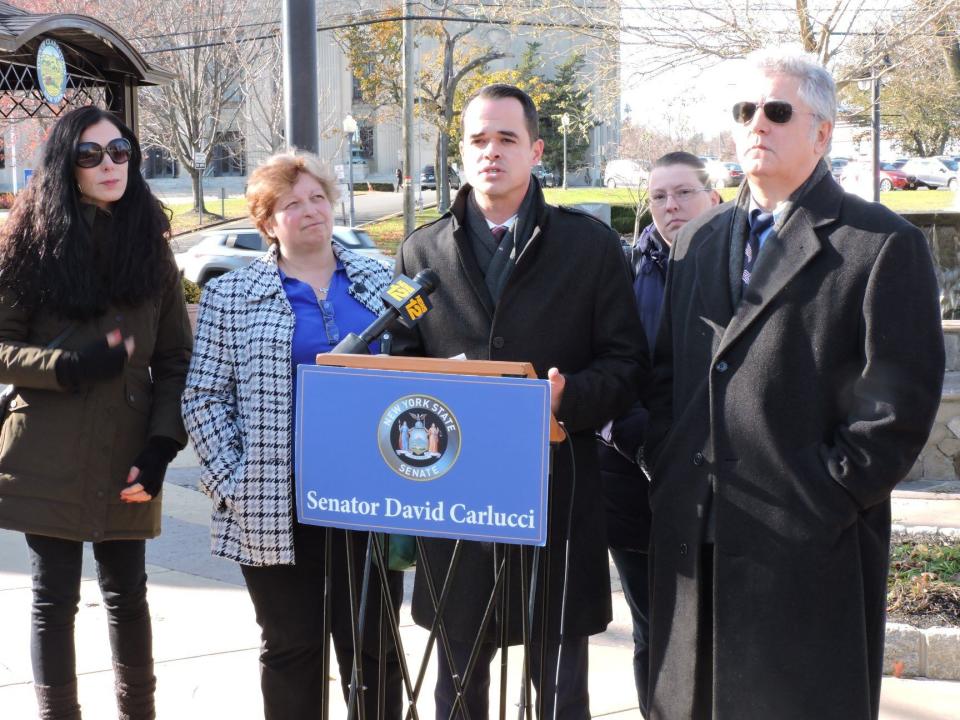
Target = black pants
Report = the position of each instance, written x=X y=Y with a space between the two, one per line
x=288 y=600
x=573 y=699
x=633 y=568
x=56 y=566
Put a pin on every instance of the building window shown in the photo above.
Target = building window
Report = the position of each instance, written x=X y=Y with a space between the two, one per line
x=159 y=163
x=228 y=156
x=365 y=139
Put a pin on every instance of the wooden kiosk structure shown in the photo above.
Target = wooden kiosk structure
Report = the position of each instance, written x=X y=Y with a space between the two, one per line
x=91 y=62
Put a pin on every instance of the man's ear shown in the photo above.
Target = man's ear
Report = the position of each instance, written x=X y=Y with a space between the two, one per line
x=537 y=149
x=822 y=140
x=715 y=198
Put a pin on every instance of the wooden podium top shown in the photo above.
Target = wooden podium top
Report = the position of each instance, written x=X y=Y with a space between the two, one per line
x=493 y=368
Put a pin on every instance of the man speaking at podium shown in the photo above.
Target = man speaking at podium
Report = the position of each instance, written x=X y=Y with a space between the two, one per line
x=525 y=281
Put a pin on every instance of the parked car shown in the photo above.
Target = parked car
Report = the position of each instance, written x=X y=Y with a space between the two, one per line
x=546 y=177
x=625 y=173
x=428 y=178
x=837 y=165
x=857 y=179
x=724 y=174
x=933 y=172
x=220 y=251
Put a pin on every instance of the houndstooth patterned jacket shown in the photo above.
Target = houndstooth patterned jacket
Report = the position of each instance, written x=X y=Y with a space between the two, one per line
x=237 y=403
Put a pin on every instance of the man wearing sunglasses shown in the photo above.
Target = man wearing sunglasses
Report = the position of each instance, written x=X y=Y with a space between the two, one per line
x=798 y=370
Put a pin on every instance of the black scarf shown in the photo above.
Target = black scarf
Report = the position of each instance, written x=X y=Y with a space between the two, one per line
x=497 y=260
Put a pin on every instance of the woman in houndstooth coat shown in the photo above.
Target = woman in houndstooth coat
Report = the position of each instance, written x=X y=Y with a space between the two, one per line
x=255 y=326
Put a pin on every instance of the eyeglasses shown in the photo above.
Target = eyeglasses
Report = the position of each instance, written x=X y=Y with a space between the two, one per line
x=777 y=111
x=681 y=195
x=90 y=154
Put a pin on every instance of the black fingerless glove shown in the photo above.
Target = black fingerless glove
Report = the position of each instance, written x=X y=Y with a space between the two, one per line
x=95 y=363
x=153 y=461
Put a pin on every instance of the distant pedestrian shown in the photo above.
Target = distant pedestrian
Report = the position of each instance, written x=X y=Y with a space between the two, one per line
x=399 y=179
x=797 y=373
x=86 y=265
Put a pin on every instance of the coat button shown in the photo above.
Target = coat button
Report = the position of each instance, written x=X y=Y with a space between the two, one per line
x=13 y=404
x=698 y=459
x=683 y=548
x=498 y=342
x=722 y=366
x=97 y=534
x=100 y=494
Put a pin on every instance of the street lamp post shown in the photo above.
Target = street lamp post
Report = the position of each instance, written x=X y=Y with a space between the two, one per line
x=350 y=128
x=565 y=122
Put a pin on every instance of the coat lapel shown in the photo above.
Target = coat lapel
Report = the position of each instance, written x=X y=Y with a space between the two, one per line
x=712 y=259
x=784 y=256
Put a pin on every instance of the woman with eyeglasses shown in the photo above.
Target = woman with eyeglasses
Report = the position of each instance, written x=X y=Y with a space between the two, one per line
x=95 y=342
x=256 y=325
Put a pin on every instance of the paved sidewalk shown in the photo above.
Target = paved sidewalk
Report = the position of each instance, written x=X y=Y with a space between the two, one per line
x=206 y=638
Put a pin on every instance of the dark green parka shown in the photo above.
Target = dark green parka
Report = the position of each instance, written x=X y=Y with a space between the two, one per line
x=64 y=456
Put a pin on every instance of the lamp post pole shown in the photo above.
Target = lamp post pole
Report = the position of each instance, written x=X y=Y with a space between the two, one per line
x=565 y=122
x=350 y=127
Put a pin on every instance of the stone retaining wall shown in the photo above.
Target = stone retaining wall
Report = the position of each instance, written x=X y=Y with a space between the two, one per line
x=940 y=458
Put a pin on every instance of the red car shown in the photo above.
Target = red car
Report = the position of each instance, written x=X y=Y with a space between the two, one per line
x=855 y=178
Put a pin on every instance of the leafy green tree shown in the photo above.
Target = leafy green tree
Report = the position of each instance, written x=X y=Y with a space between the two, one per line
x=567 y=93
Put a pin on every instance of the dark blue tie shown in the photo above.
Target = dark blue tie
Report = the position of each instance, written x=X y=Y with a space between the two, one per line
x=759 y=222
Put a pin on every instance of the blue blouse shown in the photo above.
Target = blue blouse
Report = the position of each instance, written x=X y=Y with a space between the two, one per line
x=320 y=324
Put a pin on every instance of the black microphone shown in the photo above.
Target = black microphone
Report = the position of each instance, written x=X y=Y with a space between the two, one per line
x=407 y=302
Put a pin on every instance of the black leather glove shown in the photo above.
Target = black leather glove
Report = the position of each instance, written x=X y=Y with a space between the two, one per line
x=152 y=462
x=94 y=363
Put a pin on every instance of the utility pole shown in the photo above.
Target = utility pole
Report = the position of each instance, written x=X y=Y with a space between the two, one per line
x=408 y=83
x=875 y=159
x=300 y=85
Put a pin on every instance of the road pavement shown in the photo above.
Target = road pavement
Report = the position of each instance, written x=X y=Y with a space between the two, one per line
x=206 y=638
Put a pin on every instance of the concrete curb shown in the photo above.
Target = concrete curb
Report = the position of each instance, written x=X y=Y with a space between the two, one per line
x=951 y=532
x=932 y=653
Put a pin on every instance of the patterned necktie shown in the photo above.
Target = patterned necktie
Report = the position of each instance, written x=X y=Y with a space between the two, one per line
x=498 y=232
x=759 y=222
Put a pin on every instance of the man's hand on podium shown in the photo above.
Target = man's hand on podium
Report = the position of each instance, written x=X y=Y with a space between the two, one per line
x=557 y=383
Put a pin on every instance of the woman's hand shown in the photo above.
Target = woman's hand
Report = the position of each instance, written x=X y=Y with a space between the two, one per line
x=146 y=476
x=101 y=360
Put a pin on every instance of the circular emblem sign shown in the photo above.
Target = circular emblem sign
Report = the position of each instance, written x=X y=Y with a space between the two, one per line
x=51 y=71
x=419 y=437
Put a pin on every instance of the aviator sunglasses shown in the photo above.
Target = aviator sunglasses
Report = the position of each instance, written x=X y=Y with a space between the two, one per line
x=777 y=111
x=90 y=154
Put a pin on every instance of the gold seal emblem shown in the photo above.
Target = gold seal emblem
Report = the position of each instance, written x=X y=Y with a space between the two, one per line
x=51 y=72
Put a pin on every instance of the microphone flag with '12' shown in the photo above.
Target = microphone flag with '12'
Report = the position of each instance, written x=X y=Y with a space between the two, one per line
x=406 y=300
x=409 y=296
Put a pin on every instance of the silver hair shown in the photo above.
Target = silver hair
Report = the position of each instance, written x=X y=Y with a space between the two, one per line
x=816 y=88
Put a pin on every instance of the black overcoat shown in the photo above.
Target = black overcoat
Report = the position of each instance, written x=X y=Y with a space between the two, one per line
x=803 y=407
x=568 y=304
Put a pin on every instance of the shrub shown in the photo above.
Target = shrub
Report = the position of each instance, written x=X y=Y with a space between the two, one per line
x=191 y=291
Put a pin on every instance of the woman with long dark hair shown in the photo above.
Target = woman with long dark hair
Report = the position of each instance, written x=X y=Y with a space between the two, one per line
x=95 y=340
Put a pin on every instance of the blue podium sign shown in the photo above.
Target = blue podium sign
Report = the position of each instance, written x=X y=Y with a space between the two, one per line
x=454 y=456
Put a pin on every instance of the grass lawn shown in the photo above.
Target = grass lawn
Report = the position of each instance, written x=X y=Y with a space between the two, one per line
x=185 y=219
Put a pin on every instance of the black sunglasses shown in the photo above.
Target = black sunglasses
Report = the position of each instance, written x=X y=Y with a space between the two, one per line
x=90 y=154
x=777 y=111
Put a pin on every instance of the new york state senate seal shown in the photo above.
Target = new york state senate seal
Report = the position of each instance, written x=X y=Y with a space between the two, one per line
x=419 y=437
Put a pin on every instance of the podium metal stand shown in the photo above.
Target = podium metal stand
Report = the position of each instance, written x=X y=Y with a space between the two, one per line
x=376 y=561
